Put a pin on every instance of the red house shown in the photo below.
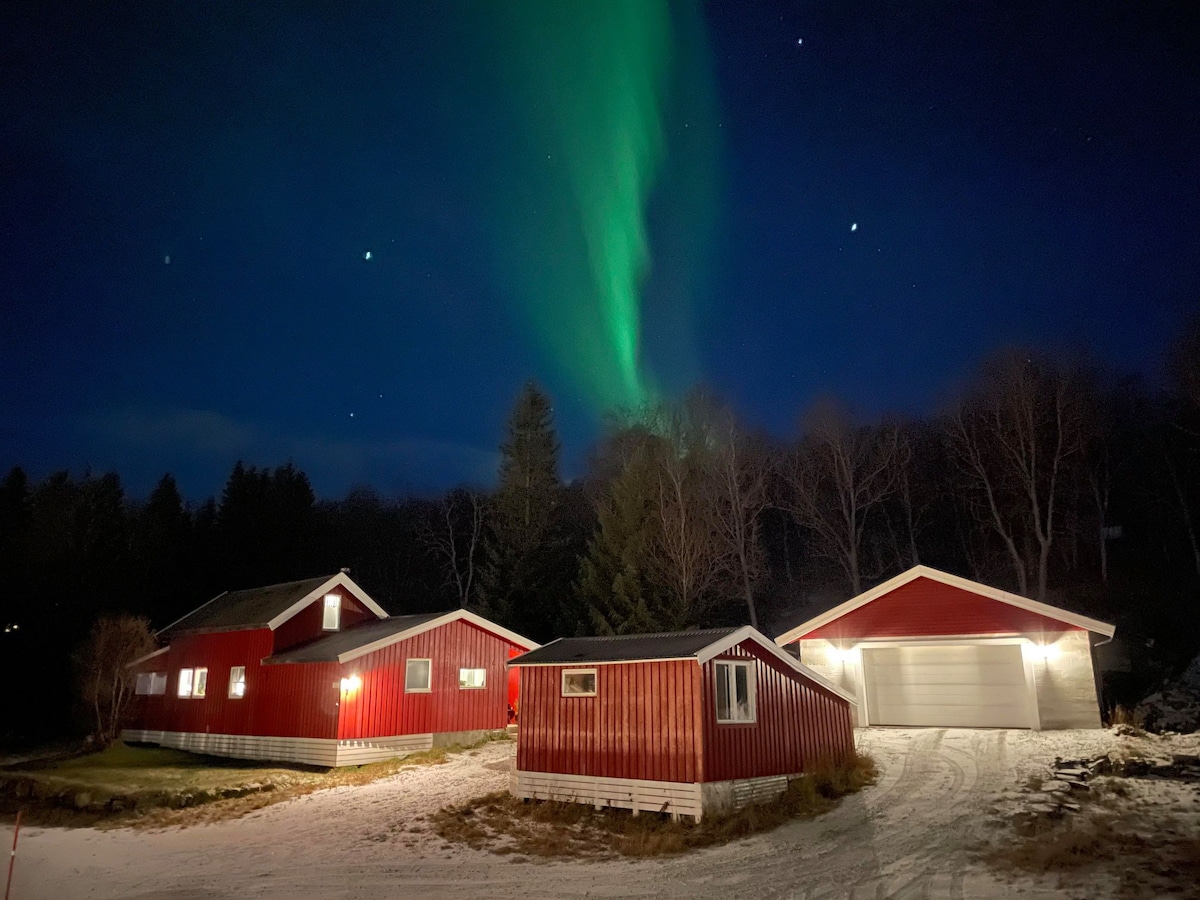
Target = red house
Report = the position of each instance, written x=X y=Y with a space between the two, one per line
x=685 y=723
x=316 y=672
x=930 y=648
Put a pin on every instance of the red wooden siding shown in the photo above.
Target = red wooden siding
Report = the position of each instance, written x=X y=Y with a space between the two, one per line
x=380 y=707
x=798 y=724
x=924 y=607
x=644 y=722
x=306 y=624
x=280 y=701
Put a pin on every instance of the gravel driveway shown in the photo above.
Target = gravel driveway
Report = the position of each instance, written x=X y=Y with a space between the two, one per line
x=908 y=836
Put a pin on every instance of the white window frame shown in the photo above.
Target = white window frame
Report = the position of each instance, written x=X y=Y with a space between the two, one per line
x=200 y=683
x=184 y=689
x=408 y=676
x=158 y=684
x=567 y=673
x=237 y=682
x=331 y=612
x=724 y=673
x=466 y=677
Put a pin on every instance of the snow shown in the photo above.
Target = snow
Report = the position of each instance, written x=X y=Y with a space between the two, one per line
x=913 y=834
x=1176 y=707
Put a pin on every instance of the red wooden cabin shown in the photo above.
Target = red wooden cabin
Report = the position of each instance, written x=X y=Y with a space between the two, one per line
x=316 y=672
x=684 y=723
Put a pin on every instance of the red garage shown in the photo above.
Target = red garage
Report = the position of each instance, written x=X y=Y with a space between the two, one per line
x=316 y=672
x=931 y=649
x=685 y=723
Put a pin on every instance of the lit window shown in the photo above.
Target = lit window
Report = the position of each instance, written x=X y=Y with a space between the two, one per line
x=416 y=676
x=333 y=612
x=237 y=682
x=158 y=683
x=471 y=678
x=579 y=683
x=735 y=692
x=200 y=683
x=185 y=682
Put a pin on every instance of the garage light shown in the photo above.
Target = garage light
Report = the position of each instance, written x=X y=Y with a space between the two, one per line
x=351 y=684
x=1045 y=652
x=842 y=654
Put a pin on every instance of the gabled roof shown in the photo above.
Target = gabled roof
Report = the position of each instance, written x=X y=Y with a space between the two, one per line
x=367 y=637
x=974 y=587
x=701 y=645
x=265 y=607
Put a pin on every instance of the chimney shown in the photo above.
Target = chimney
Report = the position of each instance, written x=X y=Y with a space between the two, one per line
x=345 y=570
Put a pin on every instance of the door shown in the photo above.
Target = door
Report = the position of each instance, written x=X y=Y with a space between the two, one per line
x=951 y=685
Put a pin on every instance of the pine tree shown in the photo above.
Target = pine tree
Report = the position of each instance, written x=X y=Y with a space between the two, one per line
x=524 y=576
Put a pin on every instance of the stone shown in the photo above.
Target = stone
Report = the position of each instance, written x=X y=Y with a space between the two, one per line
x=83 y=800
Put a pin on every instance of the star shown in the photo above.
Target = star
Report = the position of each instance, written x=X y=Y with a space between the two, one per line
x=854 y=226
x=367 y=256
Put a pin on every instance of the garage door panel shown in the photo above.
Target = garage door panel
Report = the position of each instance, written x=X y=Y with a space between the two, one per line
x=954 y=685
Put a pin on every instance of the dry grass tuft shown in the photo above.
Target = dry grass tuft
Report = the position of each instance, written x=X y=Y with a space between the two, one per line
x=1121 y=715
x=547 y=829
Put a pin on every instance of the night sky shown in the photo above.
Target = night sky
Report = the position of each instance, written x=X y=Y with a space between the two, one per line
x=345 y=234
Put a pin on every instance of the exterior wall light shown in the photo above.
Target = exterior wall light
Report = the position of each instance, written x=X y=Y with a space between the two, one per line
x=1045 y=652
x=842 y=654
x=351 y=684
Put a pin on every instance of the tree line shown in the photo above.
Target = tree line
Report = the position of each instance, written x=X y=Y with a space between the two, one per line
x=1056 y=480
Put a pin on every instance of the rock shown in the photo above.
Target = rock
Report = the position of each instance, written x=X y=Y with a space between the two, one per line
x=83 y=800
x=1054 y=786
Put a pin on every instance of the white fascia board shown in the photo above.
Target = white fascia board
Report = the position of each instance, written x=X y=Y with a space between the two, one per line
x=750 y=634
x=974 y=587
x=593 y=663
x=151 y=655
x=454 y=616
x=192 y=613
x=341 y=579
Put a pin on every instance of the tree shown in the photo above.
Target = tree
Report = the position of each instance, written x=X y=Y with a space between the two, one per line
x=1013 y=436
x=454 y=536
x=105 y=681
x=838 y=477
x=741 y=469
x=524 y=575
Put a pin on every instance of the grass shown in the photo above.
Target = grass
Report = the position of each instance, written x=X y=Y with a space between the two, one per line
x=1121 y=715
x=156 y=787
x=503 y=824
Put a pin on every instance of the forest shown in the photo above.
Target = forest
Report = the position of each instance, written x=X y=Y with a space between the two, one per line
x=1049 y=477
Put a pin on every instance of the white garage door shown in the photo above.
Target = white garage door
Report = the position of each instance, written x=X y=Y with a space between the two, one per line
x=956 y=685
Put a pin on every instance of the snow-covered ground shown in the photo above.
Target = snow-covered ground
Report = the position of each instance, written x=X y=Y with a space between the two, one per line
x=911 y=835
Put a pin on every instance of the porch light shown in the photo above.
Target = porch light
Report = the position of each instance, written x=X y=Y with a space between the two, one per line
x=842 y=654
x=351 y=684
x=1045 y=652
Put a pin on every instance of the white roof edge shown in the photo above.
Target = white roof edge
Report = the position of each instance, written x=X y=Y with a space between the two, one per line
x=748 y=633
x=150 y=655
x=452 y=616
x=341 y=579
x=975 y=587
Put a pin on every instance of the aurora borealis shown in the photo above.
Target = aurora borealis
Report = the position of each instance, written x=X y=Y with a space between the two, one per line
x=619 y=199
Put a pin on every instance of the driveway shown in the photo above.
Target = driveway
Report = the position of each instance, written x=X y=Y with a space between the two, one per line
x=909 y=836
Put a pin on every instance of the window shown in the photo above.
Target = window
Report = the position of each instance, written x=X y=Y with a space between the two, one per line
x=200 y=683
x=237 y=682
x=151 y=683
x=185 y=682
x=416 y=676
x=333 y=612
x=471 y=678
x=735 y=692
x=579 y=683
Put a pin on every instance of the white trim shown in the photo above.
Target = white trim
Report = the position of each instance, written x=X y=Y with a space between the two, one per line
x=428 y=689
x=751 y=667
x=974 y=587
x=328 y=752
x=679 y=798
x=746 y=633
x=151 y=655
x=602 y=662
x=341 y=579
x=453 y=616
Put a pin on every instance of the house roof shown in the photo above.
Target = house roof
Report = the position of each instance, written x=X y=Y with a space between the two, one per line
x=360 y=640
x=983 y=590
x=264 y=607
x=701 y=645
x=623 y=647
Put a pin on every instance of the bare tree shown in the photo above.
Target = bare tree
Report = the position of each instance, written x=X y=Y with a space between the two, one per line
x=454 y=537
x=1013 y=437
x=839 y=474
x=105 y=681
x=740 y=478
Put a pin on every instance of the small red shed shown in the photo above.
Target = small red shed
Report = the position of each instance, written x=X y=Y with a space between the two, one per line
x=927 y=648
x=316 y=672
x=685 y=723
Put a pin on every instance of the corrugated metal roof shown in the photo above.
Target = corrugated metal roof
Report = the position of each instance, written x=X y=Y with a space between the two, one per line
x=252 y=608
x=624 y=647
x=330 y=647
